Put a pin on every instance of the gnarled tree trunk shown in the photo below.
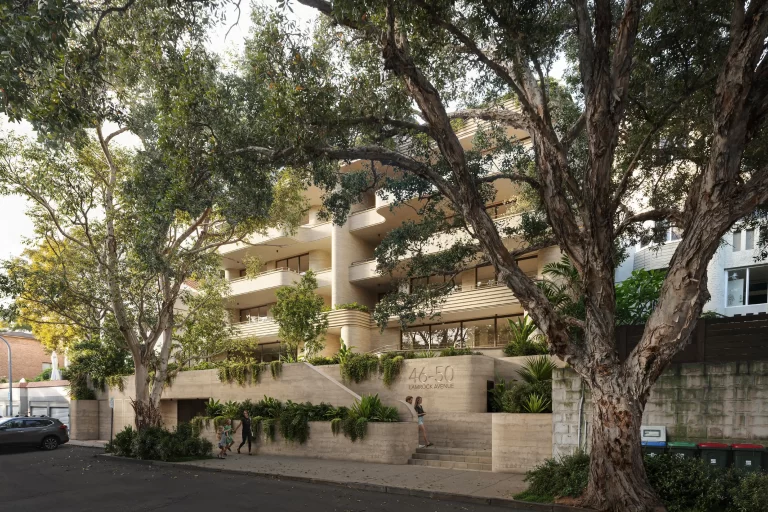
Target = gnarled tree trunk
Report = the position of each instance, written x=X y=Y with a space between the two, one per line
x=617 y=478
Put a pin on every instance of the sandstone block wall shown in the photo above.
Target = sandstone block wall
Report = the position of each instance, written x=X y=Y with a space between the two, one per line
x=385 y=443
x=520 y=441
x=84 y=420
x=725 y=402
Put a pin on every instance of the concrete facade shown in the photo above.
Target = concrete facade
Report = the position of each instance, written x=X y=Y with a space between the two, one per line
x=695 y=402
x=385 y=443
x=29 y=356
x=520 y=441
x=85 y=421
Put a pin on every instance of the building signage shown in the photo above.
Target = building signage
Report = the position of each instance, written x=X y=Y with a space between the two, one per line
x=437 y=377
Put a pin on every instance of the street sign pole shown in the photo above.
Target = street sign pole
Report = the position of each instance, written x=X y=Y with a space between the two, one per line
x=10 y=378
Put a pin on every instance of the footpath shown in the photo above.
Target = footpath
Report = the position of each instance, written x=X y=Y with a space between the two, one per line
x=472 y=487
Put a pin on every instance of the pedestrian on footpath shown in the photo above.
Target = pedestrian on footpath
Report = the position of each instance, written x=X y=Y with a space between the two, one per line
x=230 y=437
x=245 y=423
x=422 y=428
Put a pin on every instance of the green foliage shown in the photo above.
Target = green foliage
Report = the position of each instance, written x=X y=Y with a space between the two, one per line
x=105 y=361
x=276 y=369
x=323 y=361
x=369 y=408
x=555 y=478
x=353 y=306
x=242 y=373
x=637 y=295
x=523 y=340
x=515 y=398
x=299 y=313
x=537 y=369
x=155 y=443
x=391 y=364
x=253 y=266
x=536 y=403
x=213 y=408
x=344 y=351
x=452 y=351
x=500 y=387
x=44 y=375
x=359 y=367
x=682 y=484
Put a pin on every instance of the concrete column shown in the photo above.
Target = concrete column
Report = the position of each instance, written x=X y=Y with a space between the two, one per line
x=346 y=249
x=358 y=337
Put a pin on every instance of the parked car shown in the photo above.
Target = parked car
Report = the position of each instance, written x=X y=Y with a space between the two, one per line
x=47 y=433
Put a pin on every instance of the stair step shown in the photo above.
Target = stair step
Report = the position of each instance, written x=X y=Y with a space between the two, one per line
x=454 y=451
x=452 y=458
x=444 y=464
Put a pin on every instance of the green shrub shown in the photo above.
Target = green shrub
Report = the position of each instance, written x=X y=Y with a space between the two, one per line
x=276 y=368
x=323 y=361
x=500 y=387
x=354 y=306
x=682 y=484
x=156 y=443
x=536 y=403
x=368 y=408
x=241 y=373
x=45 y=375
x=213 y=408
x=537 y=369
x=516 y=397
x=451 y=351
x=555 y=478
x=294 y=422
x=359 y=367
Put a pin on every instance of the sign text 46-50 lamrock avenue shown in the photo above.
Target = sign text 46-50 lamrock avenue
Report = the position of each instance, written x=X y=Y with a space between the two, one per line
x=440 y=378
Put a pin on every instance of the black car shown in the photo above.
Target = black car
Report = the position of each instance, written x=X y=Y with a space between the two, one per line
x=44 y=432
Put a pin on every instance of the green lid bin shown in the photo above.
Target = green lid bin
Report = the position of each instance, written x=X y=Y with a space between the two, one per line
x=715 y=454
x=748 y=457
x=683 y=449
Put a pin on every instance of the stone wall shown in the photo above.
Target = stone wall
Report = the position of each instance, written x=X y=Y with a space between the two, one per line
x=299 y=382
x=470 y=431
x=520 y=441
x=385 y=443
x=84 y=420
x=105 y=420
x=696 y=402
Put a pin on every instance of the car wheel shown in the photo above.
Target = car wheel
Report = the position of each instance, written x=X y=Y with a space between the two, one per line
x=50 y=443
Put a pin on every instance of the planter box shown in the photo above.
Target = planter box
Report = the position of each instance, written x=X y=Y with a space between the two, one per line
x=386 y=443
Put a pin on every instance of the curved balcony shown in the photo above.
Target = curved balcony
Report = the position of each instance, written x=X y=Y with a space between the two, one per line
x=305 y=233
x=276 y=278
x=266 y=329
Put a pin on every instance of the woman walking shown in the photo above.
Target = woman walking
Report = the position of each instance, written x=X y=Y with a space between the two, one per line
x=422 y=428
x=245 y=422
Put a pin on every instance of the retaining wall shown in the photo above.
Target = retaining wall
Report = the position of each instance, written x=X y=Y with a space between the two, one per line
x=520 y=441
x=385 y=443
x=725 y=402
x=84 y=420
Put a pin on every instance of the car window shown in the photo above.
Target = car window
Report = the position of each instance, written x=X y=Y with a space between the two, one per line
x=13 y=424
x=36 y=423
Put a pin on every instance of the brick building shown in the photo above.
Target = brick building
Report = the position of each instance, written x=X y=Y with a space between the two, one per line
x=29 y=356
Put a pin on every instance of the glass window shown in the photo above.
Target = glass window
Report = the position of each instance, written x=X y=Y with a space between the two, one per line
x=737 y=280
x=750 y=239
x=757 y=290
x=415 y=338
x=479 y=333
x=256 y=314
x=736 y=241
x=297 y=263
x=448 y=335
x=674 y=234
x=485 y=276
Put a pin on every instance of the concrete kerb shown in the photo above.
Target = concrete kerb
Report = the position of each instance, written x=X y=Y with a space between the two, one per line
x=418 y=493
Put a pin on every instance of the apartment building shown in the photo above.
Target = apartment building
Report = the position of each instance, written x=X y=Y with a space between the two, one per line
x=474 y=315
x=738 y=280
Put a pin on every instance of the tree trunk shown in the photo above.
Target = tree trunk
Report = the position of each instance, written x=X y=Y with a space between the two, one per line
x=617 y=478
x=146 y=412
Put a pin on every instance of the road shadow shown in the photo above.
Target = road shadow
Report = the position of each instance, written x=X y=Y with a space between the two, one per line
x=15 y=450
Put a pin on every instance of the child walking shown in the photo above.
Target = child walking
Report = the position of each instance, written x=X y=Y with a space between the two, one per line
x=226 y=439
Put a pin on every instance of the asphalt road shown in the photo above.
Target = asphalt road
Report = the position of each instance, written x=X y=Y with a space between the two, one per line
x=71 y=479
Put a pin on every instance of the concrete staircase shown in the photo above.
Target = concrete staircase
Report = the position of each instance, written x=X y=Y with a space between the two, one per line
x=452 y=458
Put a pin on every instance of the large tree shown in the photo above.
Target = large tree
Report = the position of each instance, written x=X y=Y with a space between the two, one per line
x=659 y=117
x=127 y=224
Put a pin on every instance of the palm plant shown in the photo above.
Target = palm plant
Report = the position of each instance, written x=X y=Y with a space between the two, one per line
x=213 y=408
x=523 y=338
x=535 y=404
x=537 y=369
x=564 y=288
x=344 y=352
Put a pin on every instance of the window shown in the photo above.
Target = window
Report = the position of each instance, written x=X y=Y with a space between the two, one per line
x=298 y=264
x=480 y=332
x=243 y=272
x=750 y=239
x=736 y=241
x=417 y=282
x=485 y=275
x=256 y=314
x=747 y=286
x=37 y=423
x=47 y=366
